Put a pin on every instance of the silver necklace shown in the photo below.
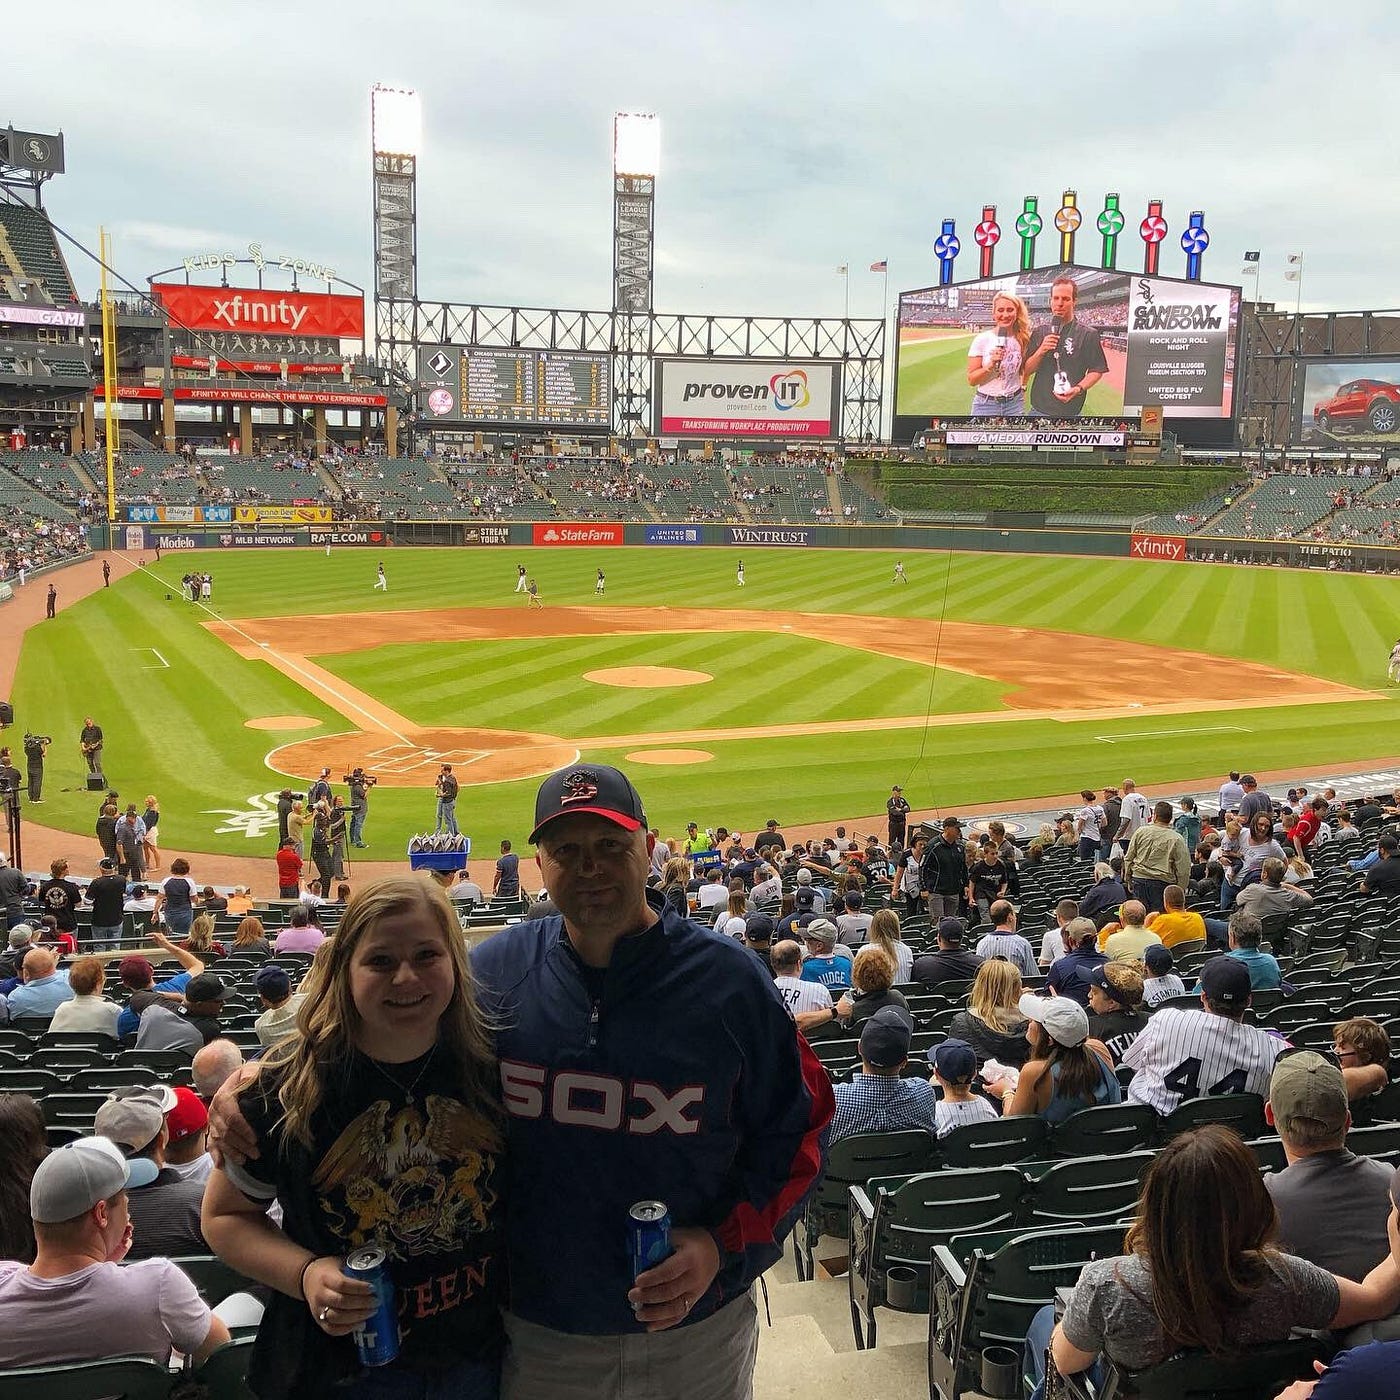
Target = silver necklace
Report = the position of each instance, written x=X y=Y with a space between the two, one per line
x=405 y=1089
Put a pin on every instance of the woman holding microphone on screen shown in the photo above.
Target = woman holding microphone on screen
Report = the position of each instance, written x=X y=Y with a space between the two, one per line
x=995 y=358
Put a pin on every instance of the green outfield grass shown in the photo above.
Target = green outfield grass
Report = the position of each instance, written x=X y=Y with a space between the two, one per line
x=933 y=381
x=178 y=730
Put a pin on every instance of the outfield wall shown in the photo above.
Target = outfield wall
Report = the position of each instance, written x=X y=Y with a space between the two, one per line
x=1109 y=544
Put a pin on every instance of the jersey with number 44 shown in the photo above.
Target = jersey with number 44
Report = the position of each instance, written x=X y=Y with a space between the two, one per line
x=1189 y=1054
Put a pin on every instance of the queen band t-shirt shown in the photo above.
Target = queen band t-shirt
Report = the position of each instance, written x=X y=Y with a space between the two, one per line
x=1079 y=352
x=392 y=1169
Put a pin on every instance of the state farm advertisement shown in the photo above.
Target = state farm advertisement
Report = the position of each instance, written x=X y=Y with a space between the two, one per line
x=255 y=309
x=577 y=534
x=748 y=398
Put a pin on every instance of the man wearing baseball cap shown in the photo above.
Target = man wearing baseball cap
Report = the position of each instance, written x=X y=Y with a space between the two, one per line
x=896 y=815
x=1183 y=1054
x=164 y=1207
x=877 y=1099
x=138 y=977
x=943 y=876
x=187 y=1125
x=73 y=1303
x=828 y=961
x=641 y=1058
x=107 y=895
x=1333 y=1206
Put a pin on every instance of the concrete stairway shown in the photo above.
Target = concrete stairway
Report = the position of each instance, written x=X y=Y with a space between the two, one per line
x=809 y=1353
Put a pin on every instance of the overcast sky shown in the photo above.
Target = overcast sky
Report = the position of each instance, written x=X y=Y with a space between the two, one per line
x=795 y=137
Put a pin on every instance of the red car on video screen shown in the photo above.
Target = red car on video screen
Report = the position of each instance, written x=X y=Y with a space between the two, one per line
x=1369 y=405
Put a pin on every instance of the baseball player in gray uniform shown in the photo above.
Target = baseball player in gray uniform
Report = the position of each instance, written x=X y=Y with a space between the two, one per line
x=1185 y=1054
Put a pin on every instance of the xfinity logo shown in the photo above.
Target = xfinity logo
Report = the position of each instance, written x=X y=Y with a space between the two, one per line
x=234 y=311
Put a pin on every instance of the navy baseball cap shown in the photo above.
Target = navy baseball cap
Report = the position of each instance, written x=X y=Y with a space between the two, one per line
x=1158 y=958
x=592 y=788
x=1098 y=977
x=955 y=1060
x=1225 y=980
x=885 y=1038
x=758 y=928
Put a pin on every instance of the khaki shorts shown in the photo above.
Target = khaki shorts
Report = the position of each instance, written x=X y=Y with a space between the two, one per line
x=711 y=1360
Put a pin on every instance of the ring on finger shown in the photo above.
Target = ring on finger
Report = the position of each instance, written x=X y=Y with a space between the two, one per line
x=321 y=1316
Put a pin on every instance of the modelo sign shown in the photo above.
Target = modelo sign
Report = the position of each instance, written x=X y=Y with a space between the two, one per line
x=748 y=398
x=248 y=309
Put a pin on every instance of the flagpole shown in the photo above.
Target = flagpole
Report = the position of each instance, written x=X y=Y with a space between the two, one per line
x=848 y=288
x=1298 y=300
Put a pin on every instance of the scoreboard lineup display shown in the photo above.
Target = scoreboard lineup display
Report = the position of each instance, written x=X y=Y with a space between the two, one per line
x=548 y=387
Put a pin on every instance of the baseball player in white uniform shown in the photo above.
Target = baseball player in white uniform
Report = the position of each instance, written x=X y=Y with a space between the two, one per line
x=380 y=581
x=1188 y=1054
x=1393 y=670
x=739 y=574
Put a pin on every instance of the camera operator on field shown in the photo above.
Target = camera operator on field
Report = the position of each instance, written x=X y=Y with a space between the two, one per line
x=360 y=783
x=35 y=746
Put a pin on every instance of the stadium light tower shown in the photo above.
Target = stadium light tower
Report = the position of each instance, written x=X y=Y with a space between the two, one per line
x=636 y=155
x=396 y=130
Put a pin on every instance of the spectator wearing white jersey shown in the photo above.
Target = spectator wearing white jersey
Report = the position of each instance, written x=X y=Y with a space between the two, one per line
x=1185 y=1054
x=808 y=1003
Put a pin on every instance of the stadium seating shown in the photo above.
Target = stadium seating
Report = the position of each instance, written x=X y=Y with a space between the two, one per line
x=27 y=233
x=784 y=490
x=1259 y=1373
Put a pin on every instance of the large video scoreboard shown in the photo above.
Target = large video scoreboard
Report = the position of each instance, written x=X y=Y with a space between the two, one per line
x=540 y=388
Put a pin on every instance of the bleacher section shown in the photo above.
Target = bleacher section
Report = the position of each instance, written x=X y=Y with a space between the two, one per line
x=251 y=479
x=697 y=491
x=146 y=476
x=404 y=487
x=495 y=491
x=1280 y=507
x=784 y=491
x=1372 y=517
x=51 y=473
x=28 y=237
x=593 y=488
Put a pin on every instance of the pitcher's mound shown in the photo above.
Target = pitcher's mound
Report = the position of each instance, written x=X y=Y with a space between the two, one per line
x=647 y=677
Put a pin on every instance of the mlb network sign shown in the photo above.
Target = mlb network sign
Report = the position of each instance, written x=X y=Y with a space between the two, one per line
x=748 y=398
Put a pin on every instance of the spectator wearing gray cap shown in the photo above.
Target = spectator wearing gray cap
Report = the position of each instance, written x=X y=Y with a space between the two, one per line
x=1333 y=1206
x=877 y=1099
x=164 y=1207
x=21 y=940
x=280 y=1004
x=74 y=1303
x=826 y=961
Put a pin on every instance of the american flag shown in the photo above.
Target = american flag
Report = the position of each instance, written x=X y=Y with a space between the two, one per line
x=881 y=266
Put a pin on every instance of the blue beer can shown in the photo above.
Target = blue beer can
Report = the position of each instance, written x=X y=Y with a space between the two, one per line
x=377 y=1338
x=649 y=1235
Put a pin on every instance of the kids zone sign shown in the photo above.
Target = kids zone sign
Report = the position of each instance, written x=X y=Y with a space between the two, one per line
x=748 y=398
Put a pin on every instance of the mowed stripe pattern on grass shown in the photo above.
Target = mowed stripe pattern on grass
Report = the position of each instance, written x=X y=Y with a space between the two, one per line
x=179 y=732
x=538 y=685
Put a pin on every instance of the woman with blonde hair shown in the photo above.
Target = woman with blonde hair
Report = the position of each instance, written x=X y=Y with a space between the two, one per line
x=675 y=884
x=380 y=1123
x=150 y=842
x=995 y=359
x=296 y=827
x=731 y=923
x=200 y=939
x=884 y=933
x=251 y=937
x=993 y=1024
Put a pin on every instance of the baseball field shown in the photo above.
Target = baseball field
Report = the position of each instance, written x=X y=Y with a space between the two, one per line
x=802 y=695
x=932 y=376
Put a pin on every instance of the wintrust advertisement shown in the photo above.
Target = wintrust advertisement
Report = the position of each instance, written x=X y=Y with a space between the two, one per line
x=255 y=309
x=748 y=398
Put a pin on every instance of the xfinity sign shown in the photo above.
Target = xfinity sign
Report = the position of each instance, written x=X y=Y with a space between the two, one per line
x=748 y=398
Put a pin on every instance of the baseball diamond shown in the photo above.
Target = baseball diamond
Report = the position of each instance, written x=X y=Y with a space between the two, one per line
x=990 y=678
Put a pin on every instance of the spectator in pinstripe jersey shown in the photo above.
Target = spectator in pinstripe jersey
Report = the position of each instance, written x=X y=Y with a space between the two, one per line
x=1185 y=1054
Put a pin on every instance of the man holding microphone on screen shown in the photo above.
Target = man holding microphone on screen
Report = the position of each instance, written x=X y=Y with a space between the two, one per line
x=1066 y=357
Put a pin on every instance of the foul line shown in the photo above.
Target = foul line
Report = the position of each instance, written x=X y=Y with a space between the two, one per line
x=284 y=663
x=163 y=662
x=1155 y=733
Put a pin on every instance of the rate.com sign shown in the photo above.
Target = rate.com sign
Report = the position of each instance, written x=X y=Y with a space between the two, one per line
x=1171 y=547
x=252 y=309
x=748 y=398
x=577 y=534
